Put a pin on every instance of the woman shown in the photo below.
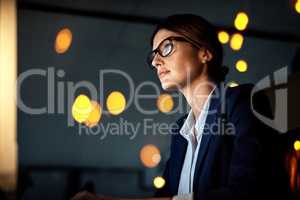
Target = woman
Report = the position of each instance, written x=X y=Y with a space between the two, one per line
x=207 y=161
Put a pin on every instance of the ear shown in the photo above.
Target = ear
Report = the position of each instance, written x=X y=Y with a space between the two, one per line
x=205 y=55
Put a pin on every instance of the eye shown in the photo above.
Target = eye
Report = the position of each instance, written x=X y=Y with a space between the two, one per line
x=167 y=48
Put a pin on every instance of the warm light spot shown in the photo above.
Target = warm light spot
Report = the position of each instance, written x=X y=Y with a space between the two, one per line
x=156 y=158
x=150 y=155
x=241 y=65
x=165 y=103
x=297 y=6
x=241 y=21
x=94 y=116
x=159 y=182
x=116 y=103
x=297 y=145
x=232 y=84
x=63 y=40
x=236 y=41
x=9 y=147
x=81 y=108
x=223 y=37
x=293 y=173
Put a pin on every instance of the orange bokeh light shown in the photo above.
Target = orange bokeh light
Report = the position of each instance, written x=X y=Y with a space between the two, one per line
x=150 y=155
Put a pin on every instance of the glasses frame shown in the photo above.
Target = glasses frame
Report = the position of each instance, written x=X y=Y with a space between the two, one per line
x=151 y=55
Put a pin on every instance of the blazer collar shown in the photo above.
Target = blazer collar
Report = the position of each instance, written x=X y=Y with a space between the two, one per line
x=180 y=143
x=214 y=111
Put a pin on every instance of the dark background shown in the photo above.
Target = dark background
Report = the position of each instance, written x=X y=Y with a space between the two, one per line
x=54 y=160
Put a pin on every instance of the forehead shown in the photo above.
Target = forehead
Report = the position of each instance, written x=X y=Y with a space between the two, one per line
x=161 y=35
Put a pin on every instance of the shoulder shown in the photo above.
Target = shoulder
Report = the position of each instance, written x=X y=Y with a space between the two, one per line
x=243 y=96
x=234 y=96
x=238 y=93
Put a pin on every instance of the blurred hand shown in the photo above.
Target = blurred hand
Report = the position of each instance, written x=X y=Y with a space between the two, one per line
x=85 y=195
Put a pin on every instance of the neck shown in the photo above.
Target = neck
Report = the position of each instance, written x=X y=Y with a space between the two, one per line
x=196 y=93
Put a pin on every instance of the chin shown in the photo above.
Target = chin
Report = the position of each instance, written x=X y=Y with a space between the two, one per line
x=169 y=87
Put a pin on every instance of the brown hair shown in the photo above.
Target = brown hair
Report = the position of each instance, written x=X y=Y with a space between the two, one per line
x=199 y=30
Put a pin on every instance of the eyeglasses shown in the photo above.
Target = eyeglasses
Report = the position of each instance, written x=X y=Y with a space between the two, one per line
x=166 y=47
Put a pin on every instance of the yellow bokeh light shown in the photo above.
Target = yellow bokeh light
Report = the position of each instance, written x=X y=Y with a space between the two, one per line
x=81 y=108
x=236 y=41
x=297 y=145
x=241 y=65
x=94 y=116
x=63 y=40
x=241 y=21
x=116 y=103
x=232 y=84
x=159 y=182
x=165 y=103
x=150 y=155
x=223 y=37
x=297 y=6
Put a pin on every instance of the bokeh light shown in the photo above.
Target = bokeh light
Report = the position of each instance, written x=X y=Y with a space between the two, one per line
x=297 y=6
x=94 y=116
x=165 y=103
x=232 y=84
x=241 y=65
x=81 y=108
x=297 y=145
x=159 y=182
x=115 y=103
x=241 y=21
x=150 y=156
x=63 y=40
x=236 y=41
x=223 y=37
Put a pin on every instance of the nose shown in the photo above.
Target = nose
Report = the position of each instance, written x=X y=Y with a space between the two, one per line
x=157 y=61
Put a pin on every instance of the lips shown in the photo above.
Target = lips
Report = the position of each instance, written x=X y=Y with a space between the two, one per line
x=161 y=74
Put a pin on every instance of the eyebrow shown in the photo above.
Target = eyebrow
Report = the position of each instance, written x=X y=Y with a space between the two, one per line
x=158 y=44
x=164 y=40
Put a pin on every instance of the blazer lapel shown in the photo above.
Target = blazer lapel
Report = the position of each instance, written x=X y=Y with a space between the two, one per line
x=181 y=147
x=206 y=137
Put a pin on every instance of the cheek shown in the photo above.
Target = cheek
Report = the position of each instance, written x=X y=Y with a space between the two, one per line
x=179 y=74
x=185 y=65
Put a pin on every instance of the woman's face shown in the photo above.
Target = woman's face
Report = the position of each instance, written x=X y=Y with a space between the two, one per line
x=181 y=67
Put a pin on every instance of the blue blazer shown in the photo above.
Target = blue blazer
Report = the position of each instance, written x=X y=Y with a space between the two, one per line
x=245 y=165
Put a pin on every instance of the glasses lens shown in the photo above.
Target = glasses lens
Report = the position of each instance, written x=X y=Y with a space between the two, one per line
x=163 y=50
x=167 y=49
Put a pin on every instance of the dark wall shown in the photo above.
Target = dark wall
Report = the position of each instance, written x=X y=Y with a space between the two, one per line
x=46 y=140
